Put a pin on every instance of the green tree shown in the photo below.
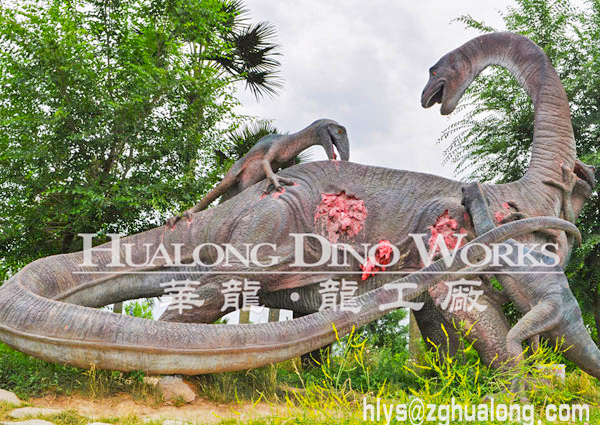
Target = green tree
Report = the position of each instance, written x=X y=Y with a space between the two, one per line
x=387 y=332
x=111 y=112
x=491 y=140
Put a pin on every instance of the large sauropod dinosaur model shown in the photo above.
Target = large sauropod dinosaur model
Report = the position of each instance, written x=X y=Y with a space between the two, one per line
x=273 y=151
x=553 y=142
x=342 y=202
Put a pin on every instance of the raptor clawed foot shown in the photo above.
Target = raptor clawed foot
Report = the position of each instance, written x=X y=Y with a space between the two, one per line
x=172 y=221
x=569 y=180
x=513 y=216
x=566 y=187
x=274 y=184
x=534 y=343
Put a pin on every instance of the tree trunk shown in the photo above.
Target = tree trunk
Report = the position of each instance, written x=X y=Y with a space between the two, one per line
x=273 y=315
x=244 y=316
x=118 y=308
x=414 y=338
x=597 y=319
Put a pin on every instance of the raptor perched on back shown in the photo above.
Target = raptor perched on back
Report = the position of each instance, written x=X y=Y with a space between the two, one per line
x=271 y=153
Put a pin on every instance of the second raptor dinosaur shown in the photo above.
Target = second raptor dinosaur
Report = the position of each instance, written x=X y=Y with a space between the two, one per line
x=271 y=153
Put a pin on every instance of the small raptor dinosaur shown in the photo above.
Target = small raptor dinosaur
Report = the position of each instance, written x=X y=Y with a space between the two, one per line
x=553 y=310
x=273 y=152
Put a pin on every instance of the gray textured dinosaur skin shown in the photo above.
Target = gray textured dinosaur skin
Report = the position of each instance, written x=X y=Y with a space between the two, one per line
x=273 y=152
x=38 y=315
x=552 y=311
x=553 y=142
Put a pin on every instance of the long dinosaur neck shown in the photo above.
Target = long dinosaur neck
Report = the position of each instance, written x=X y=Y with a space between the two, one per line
x=553 y=139
x=306 y=137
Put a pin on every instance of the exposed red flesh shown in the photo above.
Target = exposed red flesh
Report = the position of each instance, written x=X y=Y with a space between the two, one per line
x=341 y=215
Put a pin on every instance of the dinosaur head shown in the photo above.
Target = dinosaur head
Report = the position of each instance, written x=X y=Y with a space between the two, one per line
x=586 y=182
x=330 y=134
x=448 y=80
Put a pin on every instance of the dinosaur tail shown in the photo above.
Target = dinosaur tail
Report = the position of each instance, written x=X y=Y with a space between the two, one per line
x=219 y=190
x=34 y=322
x=580 y=347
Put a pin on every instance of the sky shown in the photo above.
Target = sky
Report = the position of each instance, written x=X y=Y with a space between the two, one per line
x=364 y=64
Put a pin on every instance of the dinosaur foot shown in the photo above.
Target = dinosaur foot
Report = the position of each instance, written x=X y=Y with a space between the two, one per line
x=171 y=222
x=513 y=216
x=275 y=184
x=189 y=217
x=569 y=180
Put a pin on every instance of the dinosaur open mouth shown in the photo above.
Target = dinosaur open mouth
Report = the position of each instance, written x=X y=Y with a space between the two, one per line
x=336 y=148
x=585 y=173
x=436 y=97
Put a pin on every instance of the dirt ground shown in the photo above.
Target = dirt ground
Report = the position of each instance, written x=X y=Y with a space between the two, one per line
x=200 y=411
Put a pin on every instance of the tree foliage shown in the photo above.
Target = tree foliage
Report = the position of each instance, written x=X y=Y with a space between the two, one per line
x=387 y=331
x=111 y=111
x=491 y=141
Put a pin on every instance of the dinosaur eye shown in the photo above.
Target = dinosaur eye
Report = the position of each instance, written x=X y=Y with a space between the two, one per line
x=340 y=131
x=433 y=73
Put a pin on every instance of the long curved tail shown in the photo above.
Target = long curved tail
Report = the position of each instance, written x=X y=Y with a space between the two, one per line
x=32 y=321
x=220 y=189
x=579 y=345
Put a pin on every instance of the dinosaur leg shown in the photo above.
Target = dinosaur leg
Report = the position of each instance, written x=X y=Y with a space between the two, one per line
x=430 y=321
x=212 y=298
x=477 y=206
x=273 y=180
x=566 y=187
x=541 y=318
x=481 y=320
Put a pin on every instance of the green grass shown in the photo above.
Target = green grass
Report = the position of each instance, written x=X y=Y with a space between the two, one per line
x=29 y=377
x=71 y=417
x=332 y=392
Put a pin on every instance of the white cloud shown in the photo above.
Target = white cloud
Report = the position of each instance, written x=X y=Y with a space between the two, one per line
x=364 y=64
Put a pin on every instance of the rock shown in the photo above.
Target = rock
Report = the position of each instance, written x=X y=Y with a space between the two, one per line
x=24 y=412
x=8 y=397
x=173 y=387
x=29 y=422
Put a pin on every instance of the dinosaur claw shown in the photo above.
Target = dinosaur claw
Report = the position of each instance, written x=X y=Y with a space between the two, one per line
x=287 y=182
x=172 y=222
x=276 y=185
x=189 y=221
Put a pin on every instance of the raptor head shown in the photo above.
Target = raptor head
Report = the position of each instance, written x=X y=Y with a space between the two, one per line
x=330 y=134
x=586 y=182
x=448 y=79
